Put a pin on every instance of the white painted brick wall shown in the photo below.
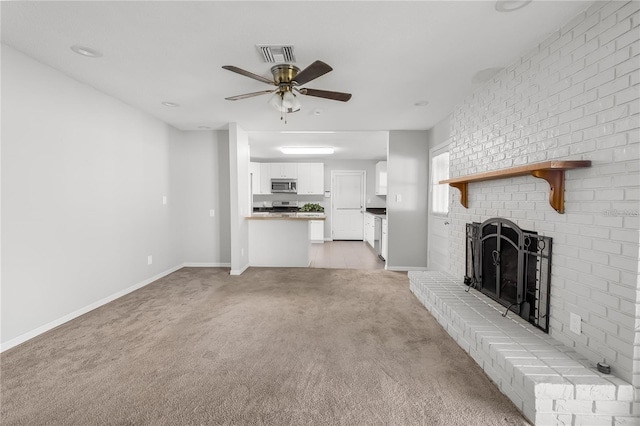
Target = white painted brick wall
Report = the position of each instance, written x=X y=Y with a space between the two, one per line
x=575 y=96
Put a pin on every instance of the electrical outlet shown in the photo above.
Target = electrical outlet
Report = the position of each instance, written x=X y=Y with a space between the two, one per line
x=398 y=198
x=164 y=199
x=575 y=323
x=212 y=212
x=149 y=260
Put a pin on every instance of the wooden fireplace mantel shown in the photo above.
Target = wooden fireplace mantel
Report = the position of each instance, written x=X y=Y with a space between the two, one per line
x=551 y=171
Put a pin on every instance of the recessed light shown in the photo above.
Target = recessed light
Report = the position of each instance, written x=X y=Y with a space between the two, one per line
x=297 y=150
x=170 y=104
x=511 y=5
x=86 y=51
x=421 y=103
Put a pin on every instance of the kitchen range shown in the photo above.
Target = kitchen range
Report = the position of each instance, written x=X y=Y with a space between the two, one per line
x=285 y=209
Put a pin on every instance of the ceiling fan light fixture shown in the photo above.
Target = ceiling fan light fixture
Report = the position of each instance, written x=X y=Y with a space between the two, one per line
x=307 y=150
x=285 y=101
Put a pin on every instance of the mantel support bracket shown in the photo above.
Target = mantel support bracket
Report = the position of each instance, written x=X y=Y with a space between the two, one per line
x=555 y=179
x=462 y=186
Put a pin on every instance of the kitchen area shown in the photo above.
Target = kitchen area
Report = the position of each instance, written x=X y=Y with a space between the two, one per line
x=291 y=220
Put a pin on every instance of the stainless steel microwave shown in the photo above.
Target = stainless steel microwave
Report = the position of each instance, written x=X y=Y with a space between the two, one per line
x=289 y=186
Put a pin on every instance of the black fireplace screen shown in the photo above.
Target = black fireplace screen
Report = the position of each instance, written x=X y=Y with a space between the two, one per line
x=512 y=266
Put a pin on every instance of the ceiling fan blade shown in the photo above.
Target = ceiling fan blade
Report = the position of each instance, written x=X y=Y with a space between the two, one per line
x=313 y=71
x=336 y=96
x=249 y=95
x=247 y=74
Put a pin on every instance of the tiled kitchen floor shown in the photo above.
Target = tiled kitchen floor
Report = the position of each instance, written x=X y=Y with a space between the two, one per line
x=345 y=255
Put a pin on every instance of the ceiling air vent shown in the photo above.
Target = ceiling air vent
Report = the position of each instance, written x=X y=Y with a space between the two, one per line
x=276 y=54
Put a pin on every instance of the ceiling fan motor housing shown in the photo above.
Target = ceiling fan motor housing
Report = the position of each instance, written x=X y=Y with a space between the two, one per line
x=284 y=73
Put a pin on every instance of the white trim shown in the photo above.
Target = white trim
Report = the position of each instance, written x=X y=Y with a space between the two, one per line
x=240 y=271
x=205 y=265
x=55 y=323
x=431 y=216
x=405 y=268
x=328 y=239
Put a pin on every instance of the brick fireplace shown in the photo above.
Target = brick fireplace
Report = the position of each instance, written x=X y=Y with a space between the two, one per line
x=575 y=96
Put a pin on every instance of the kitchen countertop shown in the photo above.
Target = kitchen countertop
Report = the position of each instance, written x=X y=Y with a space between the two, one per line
x=286 y=216
x=377 y=210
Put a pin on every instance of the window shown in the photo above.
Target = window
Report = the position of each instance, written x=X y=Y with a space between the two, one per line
x=440 y=192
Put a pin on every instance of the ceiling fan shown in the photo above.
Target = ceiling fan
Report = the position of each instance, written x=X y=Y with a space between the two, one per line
x=288 y=79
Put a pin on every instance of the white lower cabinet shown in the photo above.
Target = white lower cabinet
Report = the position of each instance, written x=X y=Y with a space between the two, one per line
x=369 y=229
x=316 y=231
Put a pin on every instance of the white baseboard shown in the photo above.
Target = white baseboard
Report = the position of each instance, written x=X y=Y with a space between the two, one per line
x=239 y=271
x=205 y=265
x=53 y=324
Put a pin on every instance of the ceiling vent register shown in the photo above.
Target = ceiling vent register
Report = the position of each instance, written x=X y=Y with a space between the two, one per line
x=276 y=54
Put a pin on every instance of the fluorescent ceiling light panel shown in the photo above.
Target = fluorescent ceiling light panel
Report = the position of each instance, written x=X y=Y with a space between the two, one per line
x=297 y=150
x=306 y=132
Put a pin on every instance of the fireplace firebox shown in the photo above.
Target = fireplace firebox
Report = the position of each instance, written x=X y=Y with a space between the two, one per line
x=511 y=266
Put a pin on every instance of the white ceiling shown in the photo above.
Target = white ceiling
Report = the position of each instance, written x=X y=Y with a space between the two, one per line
x=388 y=54
x=365 y=145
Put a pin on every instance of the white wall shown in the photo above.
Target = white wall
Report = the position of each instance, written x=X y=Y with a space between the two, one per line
x=440 y=133
x=408 y=177
x=200 y=182
x=83 y=177
x=574 y=96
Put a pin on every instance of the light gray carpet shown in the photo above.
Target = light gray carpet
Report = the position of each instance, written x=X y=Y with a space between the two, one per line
x=270 y=347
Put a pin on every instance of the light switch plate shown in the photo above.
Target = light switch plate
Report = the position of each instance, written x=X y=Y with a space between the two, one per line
x=164 y=199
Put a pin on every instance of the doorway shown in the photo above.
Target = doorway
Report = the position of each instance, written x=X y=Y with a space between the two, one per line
x=438 y=239
x=347 y=205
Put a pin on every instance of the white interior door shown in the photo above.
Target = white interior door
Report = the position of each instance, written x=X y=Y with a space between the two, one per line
x=438 y=240
x=347 y=220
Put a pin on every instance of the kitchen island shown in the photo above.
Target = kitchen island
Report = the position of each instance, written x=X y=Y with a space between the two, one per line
x=280 y=239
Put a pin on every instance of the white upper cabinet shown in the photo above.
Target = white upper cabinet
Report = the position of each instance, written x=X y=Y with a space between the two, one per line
x=254 y=170
x=265 y=179
x=260 y=178
x=310 y=178
x=381 y=178
x=284 y=170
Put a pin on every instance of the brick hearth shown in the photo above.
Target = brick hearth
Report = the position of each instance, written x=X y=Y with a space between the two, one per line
x=548 y=381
